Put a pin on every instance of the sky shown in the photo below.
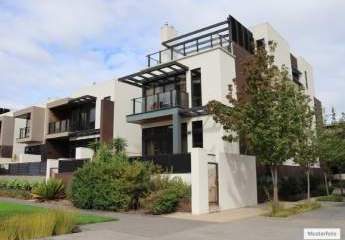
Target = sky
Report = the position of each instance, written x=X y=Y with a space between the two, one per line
x=50 y=48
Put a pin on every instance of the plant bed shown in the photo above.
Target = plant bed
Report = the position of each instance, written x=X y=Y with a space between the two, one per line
x=16 y=219
x=283 y=212
x=331 y=198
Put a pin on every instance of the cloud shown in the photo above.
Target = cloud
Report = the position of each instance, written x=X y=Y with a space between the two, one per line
x=51 y=48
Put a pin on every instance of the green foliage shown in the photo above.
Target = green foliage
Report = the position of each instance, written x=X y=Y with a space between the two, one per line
x=17 y=184
x=165 y=195
x=331 y=198
x=50 y=190
x=297 y=209
x=37 y=225
x=110 y=182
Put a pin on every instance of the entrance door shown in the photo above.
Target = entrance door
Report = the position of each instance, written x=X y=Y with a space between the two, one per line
x=213 y=184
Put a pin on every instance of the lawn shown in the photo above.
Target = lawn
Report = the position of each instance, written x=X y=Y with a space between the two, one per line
x=8 y=209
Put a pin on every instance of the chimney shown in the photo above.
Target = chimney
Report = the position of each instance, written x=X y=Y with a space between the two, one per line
x=167 y=32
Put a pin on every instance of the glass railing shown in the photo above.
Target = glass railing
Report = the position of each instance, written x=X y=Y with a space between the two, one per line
x=24 y=132
x=59 y=126
x=160 y=101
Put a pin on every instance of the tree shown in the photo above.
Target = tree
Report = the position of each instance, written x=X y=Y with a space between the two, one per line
x=331 y=146
x=306 y=155
x=305 y=147
x=267 y=118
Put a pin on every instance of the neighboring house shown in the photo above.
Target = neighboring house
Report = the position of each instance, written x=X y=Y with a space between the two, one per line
x=28 y=134
x=95 y=113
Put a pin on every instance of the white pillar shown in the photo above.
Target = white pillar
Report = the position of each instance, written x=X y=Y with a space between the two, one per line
x=199 y=181
x=51 y=164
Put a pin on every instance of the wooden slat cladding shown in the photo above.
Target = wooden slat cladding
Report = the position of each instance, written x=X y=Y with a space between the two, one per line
x=107 y=121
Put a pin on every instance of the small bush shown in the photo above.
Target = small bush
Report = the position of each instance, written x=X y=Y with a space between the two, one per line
x=50 y=190
x=331 y=198
x=38 y=225
x=165 y=195
x=110 y=182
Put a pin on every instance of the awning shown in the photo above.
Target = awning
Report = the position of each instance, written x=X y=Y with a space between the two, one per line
x=153 y=74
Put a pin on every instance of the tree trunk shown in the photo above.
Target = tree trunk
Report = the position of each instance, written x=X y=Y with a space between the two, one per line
x=275 y=203
x=326 y=183
x=308 y=183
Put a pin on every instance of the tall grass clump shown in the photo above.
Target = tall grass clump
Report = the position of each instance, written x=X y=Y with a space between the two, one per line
x=50 y=190
x=37 y=225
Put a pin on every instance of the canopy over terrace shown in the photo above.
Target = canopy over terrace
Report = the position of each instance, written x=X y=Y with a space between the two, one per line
x=160 y=73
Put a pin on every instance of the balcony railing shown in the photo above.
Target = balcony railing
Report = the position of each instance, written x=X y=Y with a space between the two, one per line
x=189 y=48
x=160 y=101
x=59 y=126
x=24 y=132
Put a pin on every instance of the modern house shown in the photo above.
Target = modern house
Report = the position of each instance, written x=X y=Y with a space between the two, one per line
x=177 y=132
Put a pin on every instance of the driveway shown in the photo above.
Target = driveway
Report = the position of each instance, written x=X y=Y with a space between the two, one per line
x=135 y=227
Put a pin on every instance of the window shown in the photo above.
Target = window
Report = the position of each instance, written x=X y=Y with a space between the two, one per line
x=197 y=134
x=196 y=88
x=306 y=79
x=260 y=43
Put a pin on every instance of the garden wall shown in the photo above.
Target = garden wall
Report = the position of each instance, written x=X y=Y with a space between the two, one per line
x=236 y=182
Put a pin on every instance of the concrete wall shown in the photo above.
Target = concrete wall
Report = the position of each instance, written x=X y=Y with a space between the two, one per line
x=237 y=180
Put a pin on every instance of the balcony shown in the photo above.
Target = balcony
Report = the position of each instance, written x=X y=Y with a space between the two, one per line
x=59 y=127
x=160 y=101
x=24 y=133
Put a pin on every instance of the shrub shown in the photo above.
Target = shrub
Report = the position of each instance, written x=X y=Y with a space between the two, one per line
x=110 y=182
x=50 y=190
x=38 y=225
x=331 y=198
x=165 y=195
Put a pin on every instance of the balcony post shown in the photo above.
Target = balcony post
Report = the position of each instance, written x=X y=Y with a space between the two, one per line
x=176 y=132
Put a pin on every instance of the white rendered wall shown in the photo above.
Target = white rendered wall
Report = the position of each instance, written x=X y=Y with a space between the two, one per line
x=282 y=52
x=217 y=73
x=123 y=106
x=237 y=181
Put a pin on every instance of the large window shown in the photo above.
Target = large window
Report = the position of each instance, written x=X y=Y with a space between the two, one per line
x=159 y=140
x=83 y=117
x=197 y=133
x=196 y=87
